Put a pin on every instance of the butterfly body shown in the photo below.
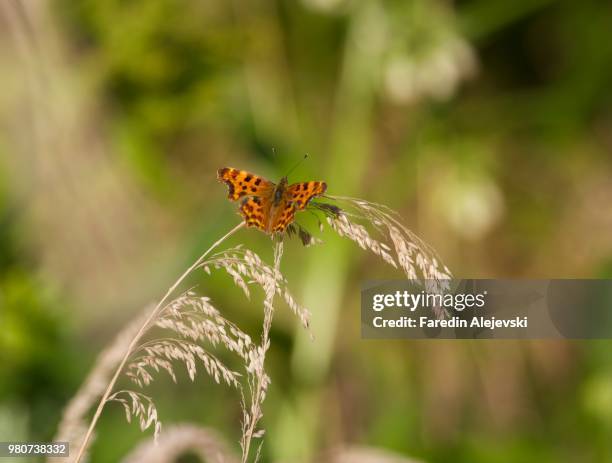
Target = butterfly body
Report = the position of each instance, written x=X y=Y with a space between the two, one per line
x=265 y=205
x=279 y=191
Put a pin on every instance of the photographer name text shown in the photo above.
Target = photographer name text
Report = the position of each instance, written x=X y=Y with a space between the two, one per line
x=448 y=303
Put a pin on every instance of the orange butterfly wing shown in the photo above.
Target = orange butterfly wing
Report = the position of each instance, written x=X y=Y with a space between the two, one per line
x=295 y=198
x=301 y=193
x=256 y=211
x=242 y=183
x=283 y=217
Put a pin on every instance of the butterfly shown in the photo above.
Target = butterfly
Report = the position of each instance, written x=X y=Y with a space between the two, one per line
x=265 y=205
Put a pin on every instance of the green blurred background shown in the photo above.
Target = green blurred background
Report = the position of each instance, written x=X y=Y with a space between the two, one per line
x=487 y=124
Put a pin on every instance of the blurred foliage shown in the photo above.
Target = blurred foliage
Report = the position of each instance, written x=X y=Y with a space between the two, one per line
x=34 y=384
x=486 y=123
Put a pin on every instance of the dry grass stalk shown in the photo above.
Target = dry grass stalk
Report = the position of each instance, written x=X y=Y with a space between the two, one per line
x=194 y=323
x=258 y=380
x=136 y=338
x=140 y=406
x=246 y=267
x=180 y=439
x=359 y=454
x=395 y=244
x=193 y=320
x=73 y=425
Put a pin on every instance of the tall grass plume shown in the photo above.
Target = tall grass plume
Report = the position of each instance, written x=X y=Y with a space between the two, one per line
x=184 y=330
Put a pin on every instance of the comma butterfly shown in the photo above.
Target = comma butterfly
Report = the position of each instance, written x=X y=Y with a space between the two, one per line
x=268 y=206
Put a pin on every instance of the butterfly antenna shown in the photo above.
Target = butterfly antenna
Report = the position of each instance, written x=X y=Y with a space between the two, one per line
x=297 y=164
